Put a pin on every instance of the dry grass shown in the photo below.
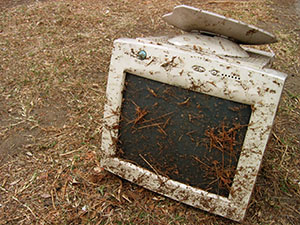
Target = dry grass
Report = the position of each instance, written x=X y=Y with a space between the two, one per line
x=54 y=58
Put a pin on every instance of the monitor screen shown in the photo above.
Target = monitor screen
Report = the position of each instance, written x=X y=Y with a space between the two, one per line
x=183 y=135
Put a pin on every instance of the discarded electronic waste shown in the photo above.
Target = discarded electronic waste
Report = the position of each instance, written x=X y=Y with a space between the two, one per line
x=189 y=116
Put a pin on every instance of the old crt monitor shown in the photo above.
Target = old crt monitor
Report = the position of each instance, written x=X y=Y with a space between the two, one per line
x=189 y=116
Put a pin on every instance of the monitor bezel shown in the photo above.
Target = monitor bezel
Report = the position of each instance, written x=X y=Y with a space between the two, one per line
x=212 y=75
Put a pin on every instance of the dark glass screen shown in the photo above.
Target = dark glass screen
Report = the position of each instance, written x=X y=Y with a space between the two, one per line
x=184 y=135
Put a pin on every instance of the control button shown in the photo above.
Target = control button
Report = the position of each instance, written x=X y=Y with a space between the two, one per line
x=199 y=69
x=142 y=55
x=214 y=72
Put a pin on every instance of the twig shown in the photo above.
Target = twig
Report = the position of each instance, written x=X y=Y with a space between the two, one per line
x=152 y=92
x=25 y=205
x=26 y=185
x=184 y=102
x=198 y=160
x=283 y=155
x=77 y=150
x=150 y=125
x=292 y=208
x=64 y=189
x=140 y=114
x=224 y=2
x=166 y=123
x=206 y=218
x=52 y=198
x=277 y=138
x=162 y=130
x=3 y=189
x=147 y=121
x=149 y=164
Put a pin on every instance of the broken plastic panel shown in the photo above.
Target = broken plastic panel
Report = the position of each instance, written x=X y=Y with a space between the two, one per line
x=192 y=19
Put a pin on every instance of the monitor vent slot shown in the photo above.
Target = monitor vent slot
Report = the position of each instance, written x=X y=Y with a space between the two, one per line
x=230 y=76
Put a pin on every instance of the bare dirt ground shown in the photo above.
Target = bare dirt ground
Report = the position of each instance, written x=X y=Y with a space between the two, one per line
x=54 y=58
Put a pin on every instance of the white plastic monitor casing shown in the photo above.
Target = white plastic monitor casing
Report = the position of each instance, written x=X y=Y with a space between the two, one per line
x=188 y=18
x=244 y=80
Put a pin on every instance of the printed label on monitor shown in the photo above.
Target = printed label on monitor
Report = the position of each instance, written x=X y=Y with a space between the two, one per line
x=190 y=137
